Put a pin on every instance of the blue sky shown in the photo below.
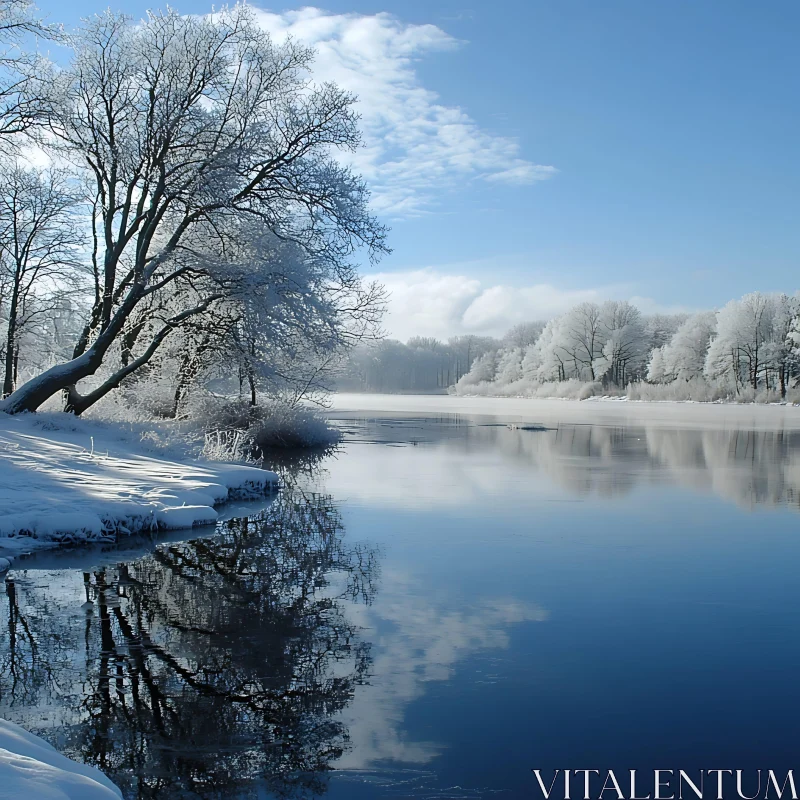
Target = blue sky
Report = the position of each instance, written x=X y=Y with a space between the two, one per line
x=530 y=154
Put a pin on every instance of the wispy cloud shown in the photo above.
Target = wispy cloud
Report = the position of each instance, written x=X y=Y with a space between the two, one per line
x=415 y=146
x=430 y=302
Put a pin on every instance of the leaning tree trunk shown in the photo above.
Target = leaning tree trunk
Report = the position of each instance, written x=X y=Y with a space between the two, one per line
x=64 y=377
x=40 y=389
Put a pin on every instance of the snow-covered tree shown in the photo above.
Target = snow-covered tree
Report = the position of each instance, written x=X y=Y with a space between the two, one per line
x=685 y=356
x=523 y=334
x=624 y=349
x=591 y=342
x=543 y=360
x=509 y=365
x=656 y=372
x=752 y=345
x=579 y=339
x=793 y=341
x=484 y=370
x=38 y=259
x=660 y=328
x=193 y=132
x=22 y=88
x=282 y=328
x=780 y=356
x=465 y=349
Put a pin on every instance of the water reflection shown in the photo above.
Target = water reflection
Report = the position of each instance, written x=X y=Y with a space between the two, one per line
x=429 y=639
x=254 y=660
x=748 y=467
x=204 y=665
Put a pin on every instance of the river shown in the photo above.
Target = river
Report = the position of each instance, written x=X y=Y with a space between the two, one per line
x=465 y=591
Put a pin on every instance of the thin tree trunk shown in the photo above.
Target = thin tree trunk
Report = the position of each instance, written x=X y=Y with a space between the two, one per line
x=176 y=398
x=11 y=341
x=251 y=381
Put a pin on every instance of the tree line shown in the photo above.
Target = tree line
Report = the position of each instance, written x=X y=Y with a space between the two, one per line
x=750 y=346
x=422 y=364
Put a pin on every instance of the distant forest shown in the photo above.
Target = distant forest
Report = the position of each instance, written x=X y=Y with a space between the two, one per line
x=423 y=364
x=748 y=350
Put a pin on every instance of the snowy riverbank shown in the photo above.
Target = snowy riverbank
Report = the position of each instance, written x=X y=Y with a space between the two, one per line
x=64 y=479
x=30 y=768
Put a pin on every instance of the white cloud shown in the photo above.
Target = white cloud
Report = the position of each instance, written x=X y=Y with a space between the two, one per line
x=428 y=302
x=414 y=145
x=522 y=174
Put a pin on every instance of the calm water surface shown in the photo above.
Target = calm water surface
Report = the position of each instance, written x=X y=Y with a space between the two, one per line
x=447 y=602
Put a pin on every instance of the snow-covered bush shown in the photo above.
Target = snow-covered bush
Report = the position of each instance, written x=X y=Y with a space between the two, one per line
x=483 y=369
x=563 y=390
x=696 y=389
x=298 y=426
x=235 y=430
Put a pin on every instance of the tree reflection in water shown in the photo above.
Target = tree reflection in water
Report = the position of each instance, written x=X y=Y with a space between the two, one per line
x=212 y=667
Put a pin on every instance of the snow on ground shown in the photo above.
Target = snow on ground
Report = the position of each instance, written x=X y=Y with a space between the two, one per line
x=64 y=479
x=31 y=769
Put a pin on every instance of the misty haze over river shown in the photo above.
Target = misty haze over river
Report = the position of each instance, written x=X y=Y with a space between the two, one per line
x=466 y=590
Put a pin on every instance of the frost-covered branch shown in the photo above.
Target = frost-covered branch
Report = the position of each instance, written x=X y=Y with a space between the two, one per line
x=190 y=134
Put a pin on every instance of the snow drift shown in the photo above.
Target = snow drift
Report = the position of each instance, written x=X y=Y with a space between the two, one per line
x=66 y=480
x=30 y=768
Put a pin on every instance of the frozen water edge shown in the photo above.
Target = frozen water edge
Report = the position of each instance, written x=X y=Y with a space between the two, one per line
x=667 y=414
x=30 y=768
x=64 y=480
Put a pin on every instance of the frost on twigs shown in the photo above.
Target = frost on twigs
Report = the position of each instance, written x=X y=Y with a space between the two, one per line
x=748 y=351
x=237 y=431
x=221 y=224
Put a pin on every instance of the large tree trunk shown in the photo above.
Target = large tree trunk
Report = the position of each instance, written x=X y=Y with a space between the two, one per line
x=41 y=388
x=62 y=377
